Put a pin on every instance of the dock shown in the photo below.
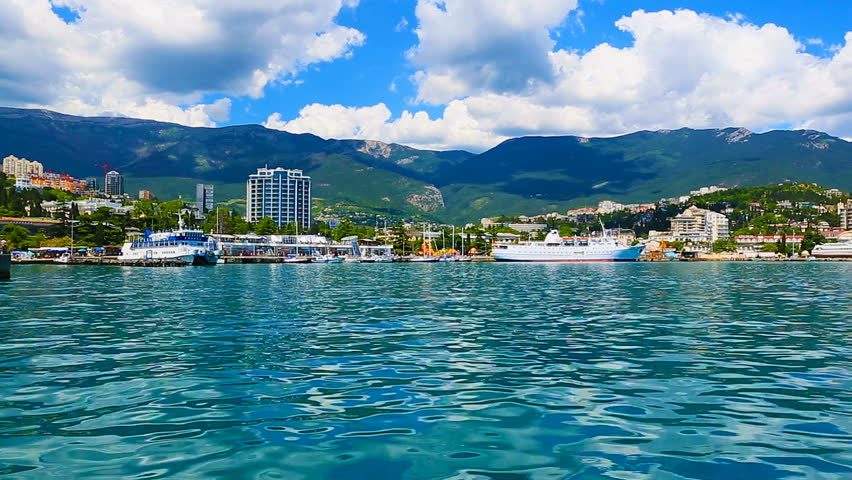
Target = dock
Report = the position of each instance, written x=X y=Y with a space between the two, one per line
x=105 y=261
x=5 y=266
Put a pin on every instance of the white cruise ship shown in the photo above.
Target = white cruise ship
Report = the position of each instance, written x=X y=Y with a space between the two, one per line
x=833 y=250
x=554 y=248
x=191 y=246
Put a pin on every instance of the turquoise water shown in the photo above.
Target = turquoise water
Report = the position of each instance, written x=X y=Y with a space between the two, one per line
x=429 y=371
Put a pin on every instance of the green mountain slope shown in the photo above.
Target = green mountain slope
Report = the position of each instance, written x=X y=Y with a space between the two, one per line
x=169 y=159
x=640 y=167
x=520 y=176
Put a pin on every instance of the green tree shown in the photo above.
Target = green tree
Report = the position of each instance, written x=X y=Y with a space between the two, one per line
x=219 y=221
x=266 y=226
x=17 y=236
x=566 y=231
x=345 y=229
x=289 y=229
x=812 y=239
x=724 y=245
x=399 y=236
x=241 y=226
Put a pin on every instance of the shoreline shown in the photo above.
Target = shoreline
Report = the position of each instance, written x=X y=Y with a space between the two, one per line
x=259 y=259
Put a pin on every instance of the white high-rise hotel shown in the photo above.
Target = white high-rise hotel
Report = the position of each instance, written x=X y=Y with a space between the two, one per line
x=281 y=194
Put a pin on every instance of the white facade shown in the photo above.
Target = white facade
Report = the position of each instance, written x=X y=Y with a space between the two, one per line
x=699 y=226
x=605 y=207
x=527 y=227
x=113 y=183
x=707 y=190
x=281 y=194
x=844 y=211
x=87 y=206
x=21 y=167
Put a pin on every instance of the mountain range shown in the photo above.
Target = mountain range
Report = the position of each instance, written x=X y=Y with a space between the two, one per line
x=526 y=175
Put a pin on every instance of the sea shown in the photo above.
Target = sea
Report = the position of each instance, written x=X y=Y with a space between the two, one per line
x=485 y=371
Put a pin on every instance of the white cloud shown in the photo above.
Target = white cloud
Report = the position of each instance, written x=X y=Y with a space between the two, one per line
x=456 y=129
x=401 y=26
x=683 y=69
x=473 y=46
x=147 y=57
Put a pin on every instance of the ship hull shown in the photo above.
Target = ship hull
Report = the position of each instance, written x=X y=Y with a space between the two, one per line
x=833 y=250
x=519 y=253
x=204 y=260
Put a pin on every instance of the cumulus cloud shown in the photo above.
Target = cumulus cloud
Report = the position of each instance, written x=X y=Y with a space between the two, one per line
x=148 y=57
x=683 y=69
x=457 y=128
x=474 y=46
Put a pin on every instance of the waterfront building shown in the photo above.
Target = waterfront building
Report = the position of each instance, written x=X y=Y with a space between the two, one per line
x=204 y=201
x=707 y=190
x=290 y=245
x=527 y=227
x=113 y=183
x=746 y=243
x=21 y=167
x=86 y=206
x=282 y=194
x=581 y=215
x=844 y=211
x=22 y=183
x=92 y=184
x=699 y=226
x=605 y=207
x=489 y=223
x=58 y=181
x=144 y=195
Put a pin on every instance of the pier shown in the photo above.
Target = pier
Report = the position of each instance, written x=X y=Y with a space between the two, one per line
x=5 y=266
x=104 y=261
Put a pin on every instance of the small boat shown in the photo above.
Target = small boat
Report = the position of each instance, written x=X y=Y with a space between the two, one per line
x=297 y=259
x=326 y=259
x=64 y=258
x=377 y=259
x=423 y=259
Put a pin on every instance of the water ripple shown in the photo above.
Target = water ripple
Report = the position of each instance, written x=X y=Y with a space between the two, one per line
x=484 y=371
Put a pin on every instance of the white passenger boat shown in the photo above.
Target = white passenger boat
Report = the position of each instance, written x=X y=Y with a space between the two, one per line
x=191 y=246
x=321 y=258
x=833 y=250
x=554 y=248
x=377 y=259
x=423 y=259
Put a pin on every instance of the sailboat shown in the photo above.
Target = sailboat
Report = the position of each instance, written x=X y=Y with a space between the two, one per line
x=427 y=254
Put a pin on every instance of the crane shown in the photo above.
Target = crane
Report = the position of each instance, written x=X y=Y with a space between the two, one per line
x=105 y=166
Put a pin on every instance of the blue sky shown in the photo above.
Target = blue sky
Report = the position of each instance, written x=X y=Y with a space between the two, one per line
x=436 y=74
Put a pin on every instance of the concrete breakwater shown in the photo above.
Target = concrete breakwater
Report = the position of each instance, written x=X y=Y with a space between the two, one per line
x=5 y=266
x=104 y=261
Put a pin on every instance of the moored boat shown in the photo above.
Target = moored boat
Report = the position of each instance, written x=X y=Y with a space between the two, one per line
x=326 y=259
x=833 y=250
x=554 y=248
x=187 y=245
